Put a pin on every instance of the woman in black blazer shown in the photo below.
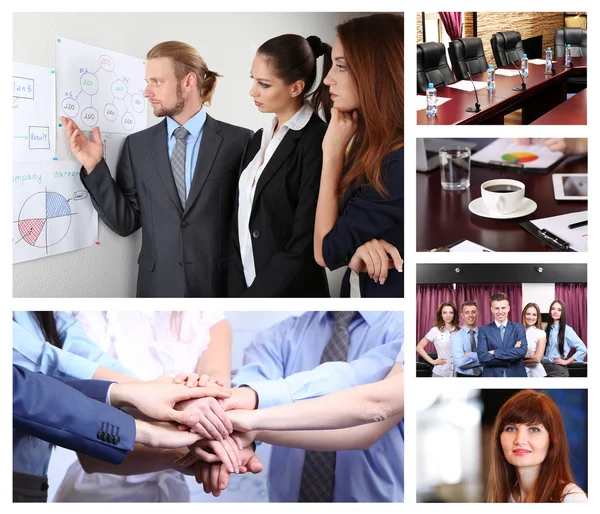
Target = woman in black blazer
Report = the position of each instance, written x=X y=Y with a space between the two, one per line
x=271 y=252
x=360 y=213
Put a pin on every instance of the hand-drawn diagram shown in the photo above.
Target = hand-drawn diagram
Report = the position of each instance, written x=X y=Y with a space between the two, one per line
x=52 y=212
x=45 y=218
x=100 y=88
x=33 y=113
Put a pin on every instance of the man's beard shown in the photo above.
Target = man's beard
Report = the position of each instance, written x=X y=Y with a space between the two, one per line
x=176 y=109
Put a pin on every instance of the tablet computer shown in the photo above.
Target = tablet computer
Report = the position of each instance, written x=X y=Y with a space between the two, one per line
x=570 y=186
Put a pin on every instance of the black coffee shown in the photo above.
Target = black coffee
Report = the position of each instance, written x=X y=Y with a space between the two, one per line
x=502 y=188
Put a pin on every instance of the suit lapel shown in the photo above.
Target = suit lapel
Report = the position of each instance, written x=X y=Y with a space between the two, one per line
x=160 y=155
x=209 y=147
x=285 y=148
x=508 y=335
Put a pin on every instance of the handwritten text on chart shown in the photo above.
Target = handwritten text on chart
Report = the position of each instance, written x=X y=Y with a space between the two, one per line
x=22 y=87
x=27 y=178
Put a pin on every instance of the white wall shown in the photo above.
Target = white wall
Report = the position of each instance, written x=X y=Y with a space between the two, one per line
x=246 y=487
x=542 y=294
x=227 y=41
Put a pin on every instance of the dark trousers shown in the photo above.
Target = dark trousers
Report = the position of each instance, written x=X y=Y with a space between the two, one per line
x=555 y=370
x=29 y=488
x=463 y=375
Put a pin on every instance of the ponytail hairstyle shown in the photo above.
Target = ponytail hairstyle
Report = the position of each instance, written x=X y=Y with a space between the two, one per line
x=292 y=58
x=186 y=59
x=47 y=324
x=374 y=52
x=530 y=408
x=562 y=326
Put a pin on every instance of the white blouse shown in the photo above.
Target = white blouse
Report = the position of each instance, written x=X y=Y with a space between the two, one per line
x=533 y=335
x=250 y=176
x=443 y=347
x=573 y=494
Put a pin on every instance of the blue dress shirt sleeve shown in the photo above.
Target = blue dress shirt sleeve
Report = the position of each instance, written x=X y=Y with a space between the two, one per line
x=574 y=341
x=459 y=341
x=265 y=364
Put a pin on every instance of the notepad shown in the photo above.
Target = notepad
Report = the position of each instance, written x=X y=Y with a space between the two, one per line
x=506 y=153
x=422 y=102
x=559 y=226
x=466 y=85
x=507 y=73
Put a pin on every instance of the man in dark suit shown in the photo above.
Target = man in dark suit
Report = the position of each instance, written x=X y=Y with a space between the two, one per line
x=502 y=344
x=177 y=180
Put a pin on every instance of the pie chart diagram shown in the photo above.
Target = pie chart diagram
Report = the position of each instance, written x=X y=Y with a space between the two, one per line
x=44 y=219
x=519 y=157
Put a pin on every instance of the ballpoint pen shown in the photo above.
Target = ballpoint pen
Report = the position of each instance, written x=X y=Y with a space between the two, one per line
x=578 y=224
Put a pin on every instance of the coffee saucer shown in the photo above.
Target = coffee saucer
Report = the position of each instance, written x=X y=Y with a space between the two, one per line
x=479 y=208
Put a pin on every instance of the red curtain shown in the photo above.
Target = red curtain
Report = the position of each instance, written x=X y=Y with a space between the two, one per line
x=453 y=23
x=574 y=296
x=429 y=298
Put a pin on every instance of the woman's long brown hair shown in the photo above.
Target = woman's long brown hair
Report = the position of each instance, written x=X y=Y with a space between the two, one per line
x=439 y=321
x=374 y=52
x=530 y=407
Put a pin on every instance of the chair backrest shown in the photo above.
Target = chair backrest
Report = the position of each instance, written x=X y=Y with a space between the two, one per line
x=507 y=47
x=432 y=66
x=467 y=55
x=577 y=38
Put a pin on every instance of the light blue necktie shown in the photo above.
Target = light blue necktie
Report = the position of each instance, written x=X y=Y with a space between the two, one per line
x=502 y=328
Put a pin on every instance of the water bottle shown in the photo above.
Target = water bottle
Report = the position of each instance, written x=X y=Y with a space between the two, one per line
x=524 y=65
x=431 y=100
x=548 y=70
x=568 y=56
x=491 y=78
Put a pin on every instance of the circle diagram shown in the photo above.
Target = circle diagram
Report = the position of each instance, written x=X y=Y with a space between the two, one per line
x=519 y=157
x=44 y=219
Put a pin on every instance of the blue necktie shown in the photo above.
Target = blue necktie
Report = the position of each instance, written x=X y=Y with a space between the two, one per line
x=502 y=328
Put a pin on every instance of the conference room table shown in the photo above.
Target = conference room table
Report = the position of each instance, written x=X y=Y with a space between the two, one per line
x=543 y=93
x=443 y=217
x=571 y=112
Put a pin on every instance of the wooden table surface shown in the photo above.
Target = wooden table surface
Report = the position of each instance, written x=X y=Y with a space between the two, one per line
x=571 y=112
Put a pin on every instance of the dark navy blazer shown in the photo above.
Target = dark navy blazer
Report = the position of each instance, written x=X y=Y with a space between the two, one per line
x=72 y=414
x=506 y=357
x=364 y=215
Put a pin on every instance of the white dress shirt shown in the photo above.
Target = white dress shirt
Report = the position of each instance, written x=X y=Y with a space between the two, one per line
x=250 y=177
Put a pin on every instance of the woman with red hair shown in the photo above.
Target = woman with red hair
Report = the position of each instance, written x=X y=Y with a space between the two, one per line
x=530 y=454
x=360 y=211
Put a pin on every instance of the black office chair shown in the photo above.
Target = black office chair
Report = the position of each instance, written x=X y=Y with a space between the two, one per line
x=577 y=369
x=507 y=47
x=577 y=38
x=424 y=369
x=432 y=66
x=467 y=57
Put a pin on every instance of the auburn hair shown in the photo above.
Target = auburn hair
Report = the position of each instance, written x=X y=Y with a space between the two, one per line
x=538 y=323
x=374 y=53
x=186 y=59
x=530 y=408
x=439 y=321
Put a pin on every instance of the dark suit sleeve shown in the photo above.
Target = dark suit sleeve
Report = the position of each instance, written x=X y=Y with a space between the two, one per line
x=514 y=353
x=285 y=266
x=486 y=358
x=116 y=202
x=58 y=411
x=367 y=215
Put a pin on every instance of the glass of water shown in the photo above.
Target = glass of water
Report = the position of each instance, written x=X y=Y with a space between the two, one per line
x=455 y=167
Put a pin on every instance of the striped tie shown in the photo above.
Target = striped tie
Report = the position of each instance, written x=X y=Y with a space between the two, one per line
x=178 y=163
x=319 y=467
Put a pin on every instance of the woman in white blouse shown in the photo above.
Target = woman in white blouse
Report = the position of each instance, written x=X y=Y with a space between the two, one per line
x=150 y=344
x=446 y=322
x=531 y=318
x=271 y=249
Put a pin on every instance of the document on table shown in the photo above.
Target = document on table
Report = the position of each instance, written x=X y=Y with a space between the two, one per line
x=506 y=152
x=422 y=102
x=507 y=73
x=559 y=226
x=538 y=61
x=465 y=85
x=469 y=246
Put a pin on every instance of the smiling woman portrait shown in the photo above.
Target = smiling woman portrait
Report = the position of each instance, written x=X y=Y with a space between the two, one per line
x=530 y=454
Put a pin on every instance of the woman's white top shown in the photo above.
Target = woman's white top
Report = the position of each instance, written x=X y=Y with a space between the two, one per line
x=534 y=334
x=249 y=179
x=150 y=345
x=574 y=494
x=443 y=347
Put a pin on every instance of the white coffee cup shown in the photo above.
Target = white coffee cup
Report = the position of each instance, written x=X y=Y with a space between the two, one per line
x=502 y=196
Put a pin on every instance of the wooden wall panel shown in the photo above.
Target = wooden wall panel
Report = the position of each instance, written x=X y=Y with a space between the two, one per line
x=420 y=27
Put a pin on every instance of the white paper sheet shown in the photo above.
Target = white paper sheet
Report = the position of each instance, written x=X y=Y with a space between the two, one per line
x=100 y=88
x=469 y=246
x=507 y=73
x=52 y=211
x=465 y=85
x=422 y=102
x=538 y=61
x=558 y=225
x=507 y=151
x=34 y=126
